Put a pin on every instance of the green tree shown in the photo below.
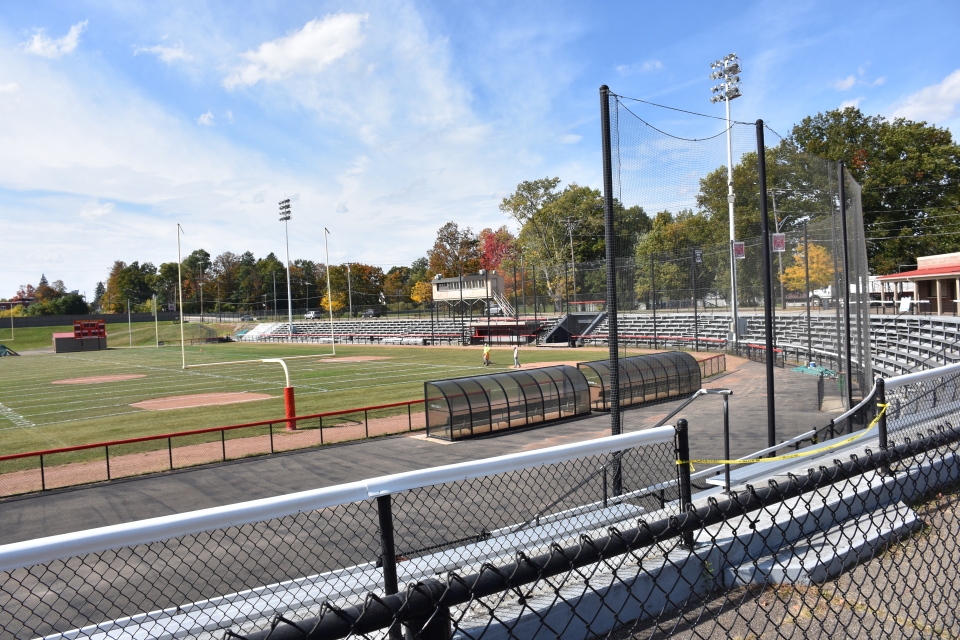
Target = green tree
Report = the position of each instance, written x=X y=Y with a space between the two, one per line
x=910 y=174
x=454 y=251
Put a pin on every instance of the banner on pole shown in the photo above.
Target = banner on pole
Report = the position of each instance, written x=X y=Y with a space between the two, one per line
x=739 y=251
x=779 y=242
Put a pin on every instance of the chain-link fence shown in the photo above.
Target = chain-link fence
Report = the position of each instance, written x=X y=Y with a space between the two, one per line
x=854 y=535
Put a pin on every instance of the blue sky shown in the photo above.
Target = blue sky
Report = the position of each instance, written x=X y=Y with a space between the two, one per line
x=382 y=121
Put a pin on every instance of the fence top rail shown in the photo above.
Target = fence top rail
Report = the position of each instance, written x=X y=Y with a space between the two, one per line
x=920 y=376
x=31 y=552
x=193 y=432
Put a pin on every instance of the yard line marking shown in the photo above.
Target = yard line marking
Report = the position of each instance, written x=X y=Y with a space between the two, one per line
x=14 y=417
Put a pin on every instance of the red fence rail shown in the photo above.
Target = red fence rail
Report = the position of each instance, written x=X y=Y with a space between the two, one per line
x=82 y=464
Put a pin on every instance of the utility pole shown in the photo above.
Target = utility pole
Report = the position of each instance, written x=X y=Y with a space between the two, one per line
x=727 y=69
x=183 y=353
x=333 y=340
x=349 y=289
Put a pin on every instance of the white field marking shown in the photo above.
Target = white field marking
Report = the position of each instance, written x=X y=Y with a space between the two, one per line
x=368 y=373
x=259 y=385
x=15 y=417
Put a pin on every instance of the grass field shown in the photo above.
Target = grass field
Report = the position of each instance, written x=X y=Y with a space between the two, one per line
x=141 y=334
x=35 y=414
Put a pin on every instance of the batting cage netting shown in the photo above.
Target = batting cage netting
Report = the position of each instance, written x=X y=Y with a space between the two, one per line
x=674 y=279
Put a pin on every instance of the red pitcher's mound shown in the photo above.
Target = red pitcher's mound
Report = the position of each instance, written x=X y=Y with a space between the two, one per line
x=198 y=400
x=99 y=379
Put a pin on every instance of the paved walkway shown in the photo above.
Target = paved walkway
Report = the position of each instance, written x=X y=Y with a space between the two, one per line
x=86 y=507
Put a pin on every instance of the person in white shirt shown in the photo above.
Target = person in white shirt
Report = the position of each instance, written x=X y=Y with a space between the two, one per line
x=516 y=356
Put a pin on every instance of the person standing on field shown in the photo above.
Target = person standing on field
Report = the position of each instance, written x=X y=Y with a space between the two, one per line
x=516 y=356
x=486 y=355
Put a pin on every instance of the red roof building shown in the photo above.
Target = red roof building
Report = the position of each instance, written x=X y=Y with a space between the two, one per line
x=936 y=280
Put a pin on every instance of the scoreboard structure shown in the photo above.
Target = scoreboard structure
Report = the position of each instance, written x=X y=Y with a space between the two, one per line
x=88 y=335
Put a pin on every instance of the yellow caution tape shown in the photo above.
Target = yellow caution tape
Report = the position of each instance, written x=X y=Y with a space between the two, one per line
x=793 y=456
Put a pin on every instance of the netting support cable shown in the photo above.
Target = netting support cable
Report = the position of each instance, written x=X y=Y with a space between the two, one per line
x=767 y=287
x=845 y=282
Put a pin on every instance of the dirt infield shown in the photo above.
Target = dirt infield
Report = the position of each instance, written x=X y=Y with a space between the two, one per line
x=101 y=379
x=199 y=400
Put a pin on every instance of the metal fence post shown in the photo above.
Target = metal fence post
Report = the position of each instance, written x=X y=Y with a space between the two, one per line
x=388 y=554
x=409 y=419
x=683 y=466
x=106 y=455
x=43 y=477
x=882 y=423
x=366 y=423
x=223 y=444
x=170 y=451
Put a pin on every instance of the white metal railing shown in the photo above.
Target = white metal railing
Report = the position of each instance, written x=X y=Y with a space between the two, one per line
x=30 y=552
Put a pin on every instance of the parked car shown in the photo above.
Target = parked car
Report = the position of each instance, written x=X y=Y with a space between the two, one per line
x=370 y=313
x=311 y=315
x=246 y=319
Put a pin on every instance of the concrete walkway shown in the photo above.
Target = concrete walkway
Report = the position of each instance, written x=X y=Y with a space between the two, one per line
x=79 y=508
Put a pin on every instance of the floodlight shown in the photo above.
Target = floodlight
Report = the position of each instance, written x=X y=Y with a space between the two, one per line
x=284 y=210
x=733 y=92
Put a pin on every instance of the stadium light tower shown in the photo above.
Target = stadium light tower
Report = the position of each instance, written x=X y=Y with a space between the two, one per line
x=285 y=218
x=726 y=69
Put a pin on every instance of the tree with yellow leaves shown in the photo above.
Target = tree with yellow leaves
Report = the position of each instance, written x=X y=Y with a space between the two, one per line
x=821 y=269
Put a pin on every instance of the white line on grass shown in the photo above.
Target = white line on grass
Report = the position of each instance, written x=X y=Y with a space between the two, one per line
x=15 y=417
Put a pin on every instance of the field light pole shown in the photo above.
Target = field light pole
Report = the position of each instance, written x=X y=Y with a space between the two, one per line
x=183 y=353
x=285 y=219
x=727 y=69
x=326 y=249
x=571 y=225
x=349 y=289
x=156 y=320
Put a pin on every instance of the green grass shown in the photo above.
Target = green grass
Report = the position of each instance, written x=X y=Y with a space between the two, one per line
x=142 y=334
x=39 y=415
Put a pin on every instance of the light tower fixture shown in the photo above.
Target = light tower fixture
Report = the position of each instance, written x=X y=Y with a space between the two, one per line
x=285 y=219
x=727 y=69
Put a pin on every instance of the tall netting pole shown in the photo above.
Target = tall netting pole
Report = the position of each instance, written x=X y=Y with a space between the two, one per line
x=767 y=286
x=845 y=282
x=609 y=236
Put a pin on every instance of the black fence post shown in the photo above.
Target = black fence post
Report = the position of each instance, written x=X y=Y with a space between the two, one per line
x=882 y=422
x=106 y=455
x=43 y=477
x=388 y=554
x=683 y=466
x=170 y=452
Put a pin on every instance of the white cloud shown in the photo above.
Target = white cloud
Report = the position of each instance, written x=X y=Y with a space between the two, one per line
x=644 y=67
x=93 y=210
x=879 y=81
x=846 y=83
x=166 y=54
x=10 y=87
x=342 y=208
x=41 y=45
x=851 y=103
x=936 y=103
x=308 y=51
x=570 y=138
x=206 y=119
